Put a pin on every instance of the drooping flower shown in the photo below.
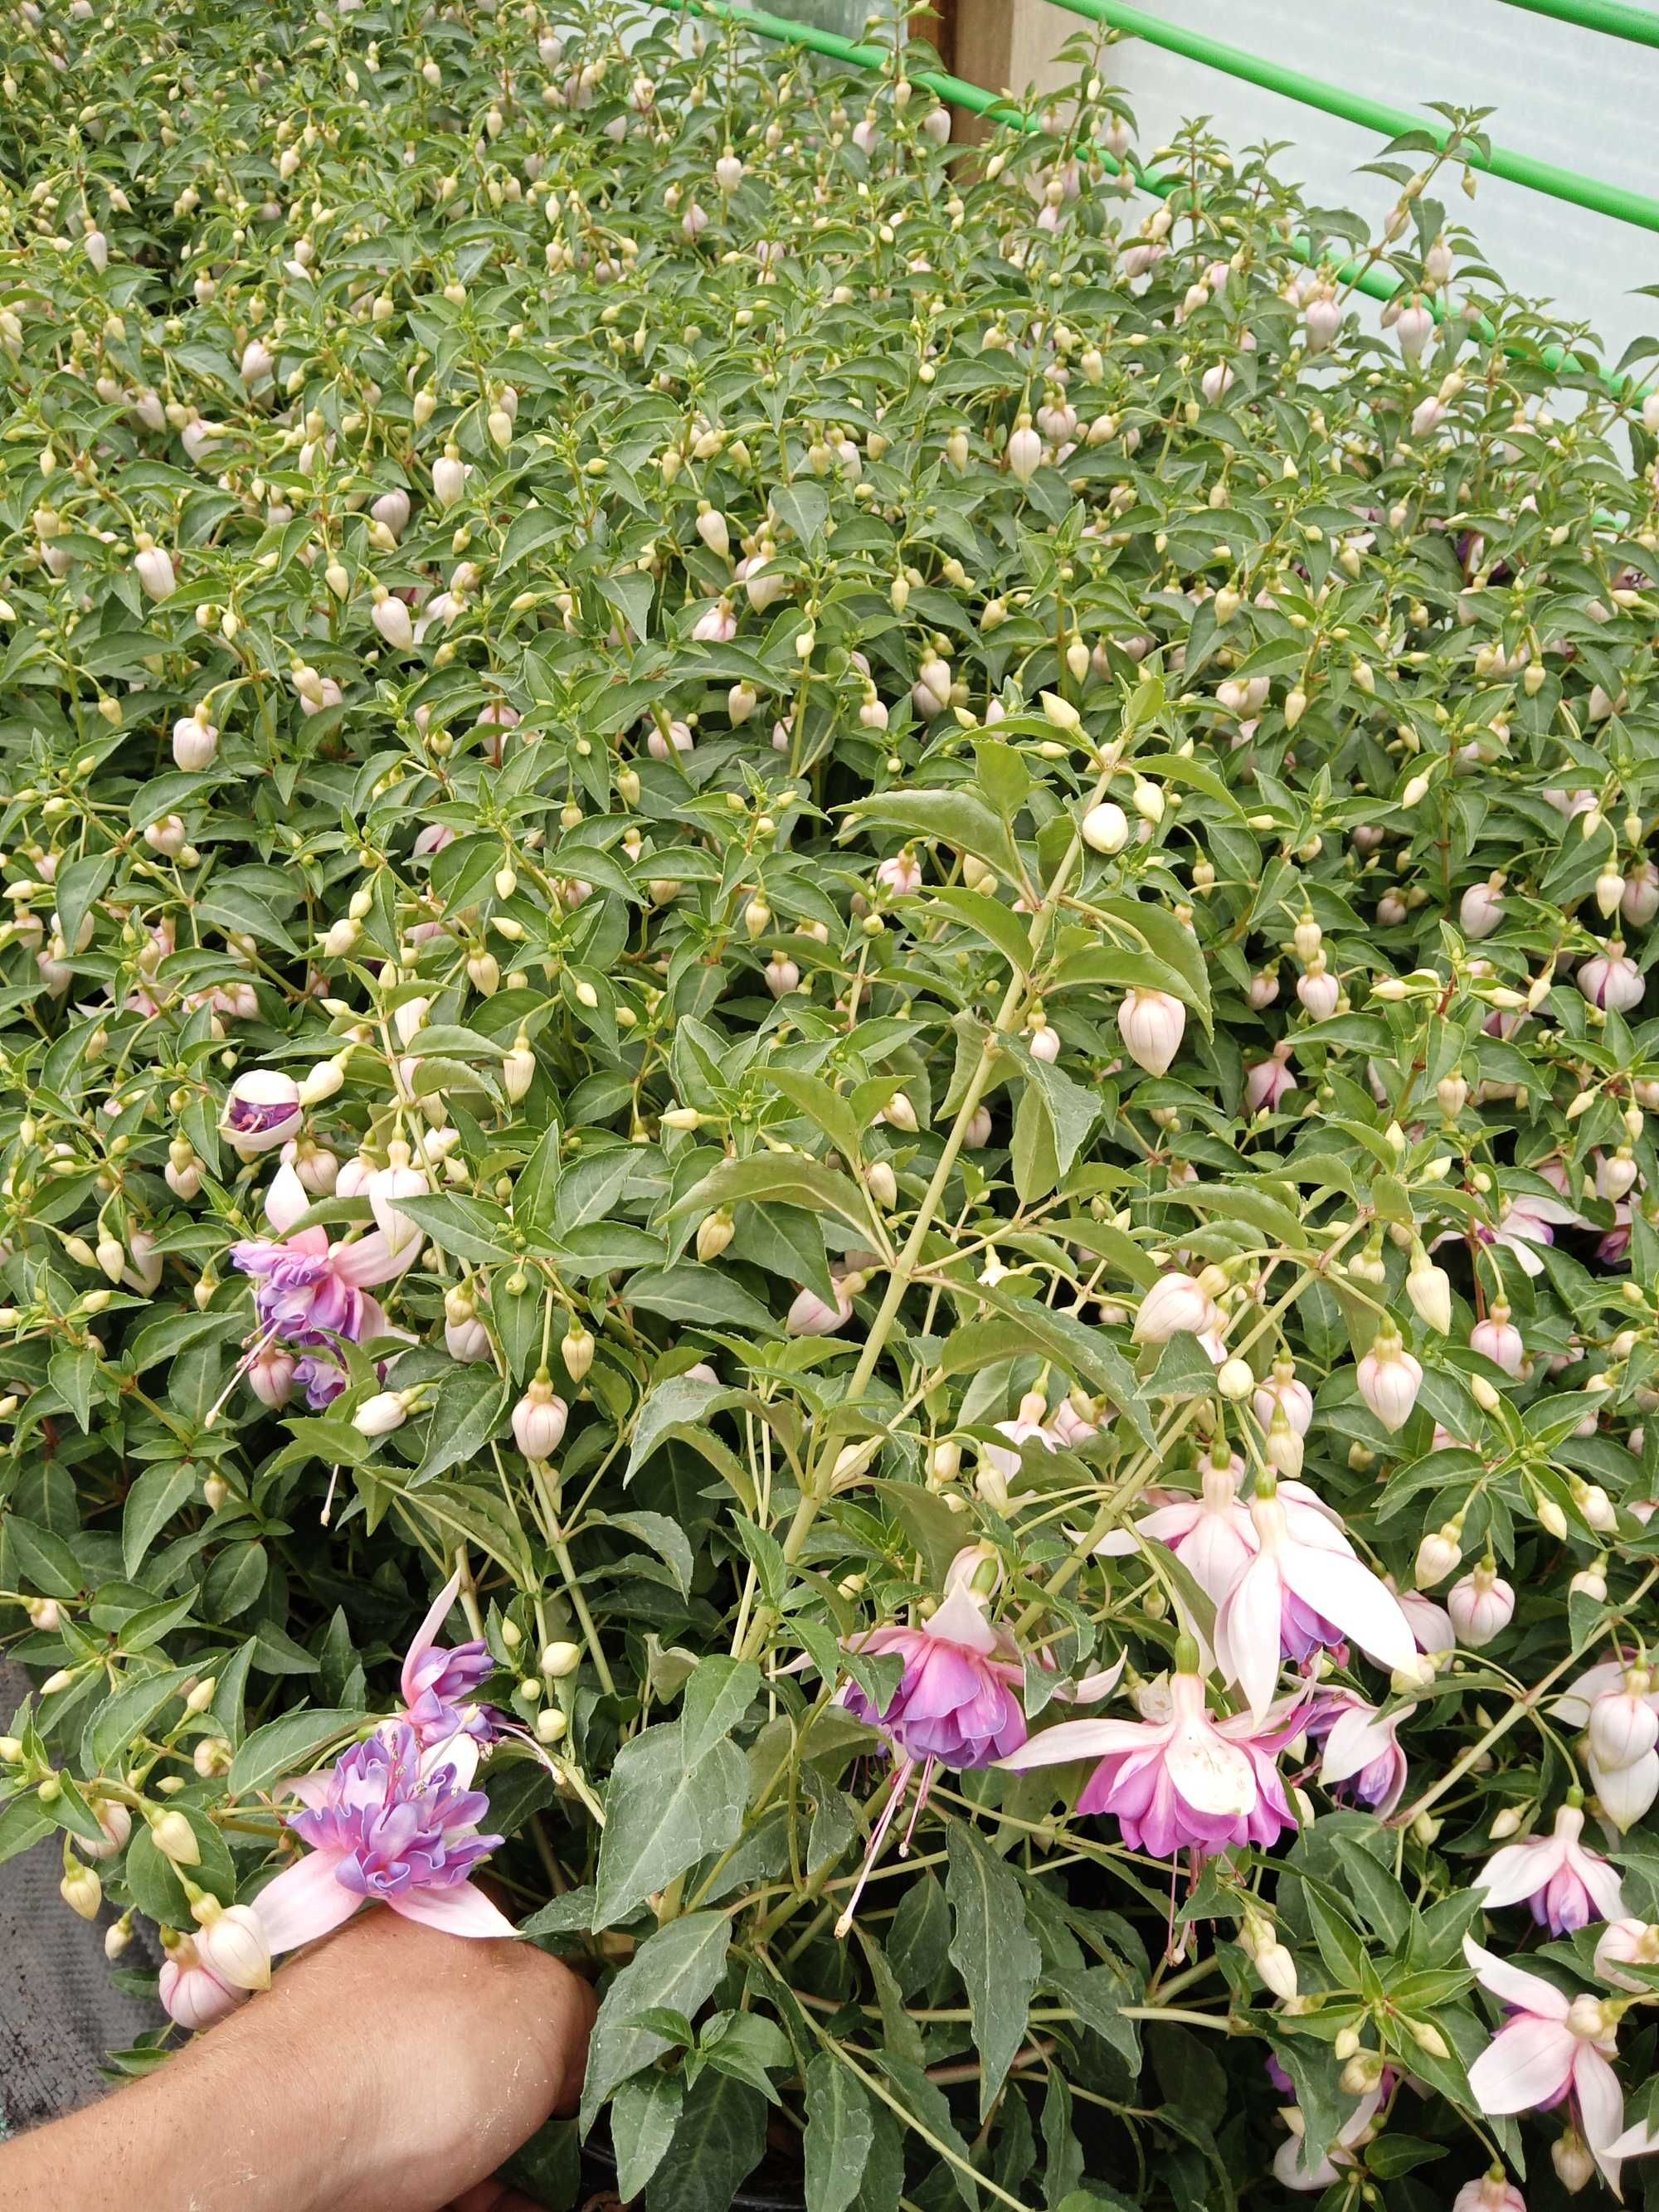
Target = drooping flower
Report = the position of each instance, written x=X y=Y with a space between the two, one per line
x=191 y=1992
x=1627 y=1943
x=1188 y=1781
x=1481 y=1605
x=1563 y=1886
x=1291 y=2166
x=438 y=1681
x=262 y=1111
x=955 y=1706
x=1303 y=1585
x=1489 y=2192
x=1175 y=1305
x=1551 y=2047
x=1363 y=1763
x=384 y=1827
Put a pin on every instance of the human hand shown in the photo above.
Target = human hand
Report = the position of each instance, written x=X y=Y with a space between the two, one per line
x=388 y=2069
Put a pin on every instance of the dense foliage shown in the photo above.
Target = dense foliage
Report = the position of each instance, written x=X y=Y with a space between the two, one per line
x=872 y=925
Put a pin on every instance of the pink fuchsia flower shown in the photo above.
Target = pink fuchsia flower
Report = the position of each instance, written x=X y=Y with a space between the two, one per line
x=1363 y=1763
x=1151 y=1025
x=1269 y=1081
x=1497 y=1339
x=1389 y=1380
x=262 y=1112
x=1185 y=1782
x=1175 y=1305
x=956 y=1704
x=1551 y=2048
x=437 y=1682
x=1283 y=1392
x=1613 y=979
x=1027 y=1427
x=308 y=1291
x=1563 y=1886
x=900 y=873
x=384 y=1827
x=1302 y=1588
x=1431 y=1624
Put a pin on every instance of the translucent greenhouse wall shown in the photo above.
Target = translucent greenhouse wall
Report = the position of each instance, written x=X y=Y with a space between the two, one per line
x=1562 y=94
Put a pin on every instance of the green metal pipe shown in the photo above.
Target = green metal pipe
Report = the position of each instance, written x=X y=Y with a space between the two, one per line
x=1376 y=283
x=1614 y=17
x=1372 y=114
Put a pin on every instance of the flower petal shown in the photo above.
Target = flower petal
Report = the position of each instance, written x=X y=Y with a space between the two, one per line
x=1078 y=1739
x=957 y=1619
x=1523 y=2066
x=1519 y=1869
x=371 y=1259
x=1213 y=1775
x=427 y=1635
x=1601 y=2108
x=1351 y=1597
x=1514 y=1984
x=1247 y=1631
x=460 y=1910
x=304 y=1901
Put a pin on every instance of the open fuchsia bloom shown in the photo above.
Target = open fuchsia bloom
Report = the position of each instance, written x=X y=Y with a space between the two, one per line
x=1563 y=1886
x=438 y=1683
x=956 y=1704
x=1301 y=1590
x=385 y=1826
x=1552 y=2047
x=1362 y=1762
x=1188 y=1783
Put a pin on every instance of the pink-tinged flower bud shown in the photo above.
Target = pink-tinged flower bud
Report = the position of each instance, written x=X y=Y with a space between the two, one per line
x=45 y=1615
x=1438 y=1555
x=380 y=1415
x=1616 y=1174
x=233 y=1946
x=1414 y=328
x=728 y=171
x=117 y=1936
x=1284 y=1393
x=1481 y=909
x=154 y=568
x=1625 y=1794
x=1427 y=416
x=977 y=1134
x=809 y=1315
x=193 y=1993
x=1043 y=1043
x=1491 y=2193
x=900 y=873
x=1215 y=382
x=1151 y=1025
x=115 y=1822
x=399 y=1178
x=1264 y=989
x=168 y=835
x=1389 y=1380
x=391 y=510
x=518 y=1068
x=270 y=1376
x=1639 y=900
x=466 y=1340
x=195 y=742
x=1429 y=1288
x=781 y=975
x=1322 y=320
x=1612 y=980
x=1177 y=1305
x=257 y=361
x=538 y=1420
x=393 y=621
x=1481 y=1605
x=1025 y=450
x=1626 y=1943
x=449 y=475
x=1497 y=1339
x=1318 y=990
x=1623 y=1725
x=1269 y=1081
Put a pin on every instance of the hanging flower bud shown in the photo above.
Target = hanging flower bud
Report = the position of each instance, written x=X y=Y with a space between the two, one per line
x=1481 y=910
x=1429 y=1288
x=1106 y=828
x=1481 y=1605
x=1175 y=1305
x=518 y=1068
x=576 y=1350
x=1612 y=980
x=1497 y=1338
x=154 y=568
x=233 y=1946
x=714 y=1232
x=1623 y=1725
x=1389 y=1380
x=1151 y=1025
x=1025 y=450
x=380 y=1415
x=195 y=742
x=1439 y=1554
x=538 y=1420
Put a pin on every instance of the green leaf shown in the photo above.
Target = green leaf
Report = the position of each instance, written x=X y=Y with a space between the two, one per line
x=130 y=1714
x=978 y=911
x=786 y=1176
x=644 y=2115
x=153 y=1884
x=841 y=2131
x=994 y=1952
x=718 y=1693
x=661 y=1535
x=1168 y=940
x=662 y=1814
x=44 y=1561
x=677 y=1966
x=287 y=1747
x=956 y=816
x=471 y=1405
x=719 y=2141
x=151 y=1503
x=462 y=1226
x=72 y=1372
x=1089 y=1354
x=686 y=1292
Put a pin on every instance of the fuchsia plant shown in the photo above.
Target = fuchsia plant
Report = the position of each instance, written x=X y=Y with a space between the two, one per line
x=860 y=931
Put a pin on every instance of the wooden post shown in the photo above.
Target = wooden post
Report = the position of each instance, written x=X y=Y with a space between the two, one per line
x=980 y=33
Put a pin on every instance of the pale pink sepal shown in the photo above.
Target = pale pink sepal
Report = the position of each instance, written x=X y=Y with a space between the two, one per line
x=304 y=1901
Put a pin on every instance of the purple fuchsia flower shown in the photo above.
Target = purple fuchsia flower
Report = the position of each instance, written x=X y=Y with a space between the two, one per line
x=262 y=1111
x=956 y=1704
x=1188 y=1783
x=1363 y=1763
x=438 y=1683
x=1563 y=1885
x=385 y=1827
